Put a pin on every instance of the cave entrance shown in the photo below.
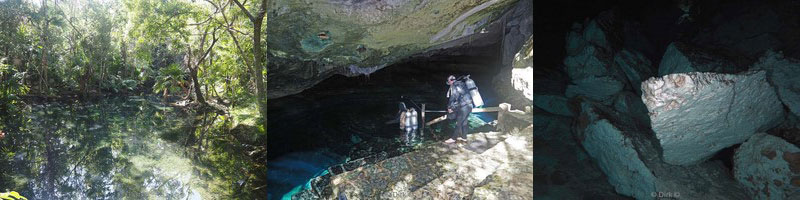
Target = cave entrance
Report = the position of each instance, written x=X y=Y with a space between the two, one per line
x=347 y=118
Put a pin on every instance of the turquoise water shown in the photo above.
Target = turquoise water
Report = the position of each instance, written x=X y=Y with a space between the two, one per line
x=290 y=174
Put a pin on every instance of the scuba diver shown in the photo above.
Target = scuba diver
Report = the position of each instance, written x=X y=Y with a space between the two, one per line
x=459 y=106
x=408 y=123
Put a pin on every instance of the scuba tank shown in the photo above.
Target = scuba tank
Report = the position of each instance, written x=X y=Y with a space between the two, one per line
x=413 y=119
x=473 y=91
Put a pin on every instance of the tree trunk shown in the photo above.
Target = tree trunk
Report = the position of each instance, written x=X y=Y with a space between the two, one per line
x=43 y=69
x=197 y=92
x=259 y=59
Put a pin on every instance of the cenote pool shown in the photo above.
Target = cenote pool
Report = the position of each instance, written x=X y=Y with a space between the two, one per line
x=128 y=148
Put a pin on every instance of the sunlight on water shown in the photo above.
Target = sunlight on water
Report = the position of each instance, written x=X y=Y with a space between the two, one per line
x=114 y=149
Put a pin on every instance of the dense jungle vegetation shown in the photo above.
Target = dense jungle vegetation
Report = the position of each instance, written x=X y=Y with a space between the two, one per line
x=87 y=87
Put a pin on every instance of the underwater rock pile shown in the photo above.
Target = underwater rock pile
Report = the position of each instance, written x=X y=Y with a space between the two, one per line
x=599 y=63
x=694 y=115
x=704 y=123
x=628 y=154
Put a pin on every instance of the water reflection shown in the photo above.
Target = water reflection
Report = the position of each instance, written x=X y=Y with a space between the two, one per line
x=133 y=148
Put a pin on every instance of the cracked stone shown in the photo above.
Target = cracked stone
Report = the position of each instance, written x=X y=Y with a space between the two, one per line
x=595 y=88
x=629 y=155
x=696 y=114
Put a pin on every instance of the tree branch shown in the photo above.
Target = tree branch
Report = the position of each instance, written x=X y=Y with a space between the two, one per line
x=246 y=12
x=213 y=41
x=229 y=29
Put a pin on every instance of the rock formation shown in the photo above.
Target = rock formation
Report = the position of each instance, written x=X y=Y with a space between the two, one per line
x=694 y=115
x=783 y=74
x=629 y=155
x=309 y=41
x=768 y=167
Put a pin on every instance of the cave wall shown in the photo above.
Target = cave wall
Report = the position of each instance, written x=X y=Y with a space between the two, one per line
x=311 y=40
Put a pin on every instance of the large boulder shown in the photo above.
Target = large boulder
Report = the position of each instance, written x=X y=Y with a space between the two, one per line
x=683 y=57
x=694 y=115
x=563 y=170
x=595 y=88
x=768 y=167
x=555 y=104
x=784 y=74
x=629 y=155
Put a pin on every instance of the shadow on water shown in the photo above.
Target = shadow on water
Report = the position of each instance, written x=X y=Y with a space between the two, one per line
x=127 y=148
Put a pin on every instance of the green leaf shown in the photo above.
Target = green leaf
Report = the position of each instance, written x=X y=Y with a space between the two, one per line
x=11 y=194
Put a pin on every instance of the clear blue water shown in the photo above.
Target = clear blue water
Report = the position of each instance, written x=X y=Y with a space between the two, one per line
x=291 y=173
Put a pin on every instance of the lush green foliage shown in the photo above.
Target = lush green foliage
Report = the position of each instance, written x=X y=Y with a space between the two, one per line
x=206 y=51
x=145 y=47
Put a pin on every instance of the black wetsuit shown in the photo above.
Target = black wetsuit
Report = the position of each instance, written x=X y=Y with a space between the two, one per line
x=460 y=101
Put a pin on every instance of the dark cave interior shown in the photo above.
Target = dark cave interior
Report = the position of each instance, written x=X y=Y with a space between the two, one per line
x=346 y=118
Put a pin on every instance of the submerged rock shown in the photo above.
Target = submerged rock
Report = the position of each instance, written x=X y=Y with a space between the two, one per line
x=555 y=104
x=768 y=167
x=598 y=61
x=694 y=115
x=784 y=74
x=636 y=67
x=682 y=58
x=591 y=47
x=629 y=155
x=563 y=169
x=631 y=105
x=595 y=88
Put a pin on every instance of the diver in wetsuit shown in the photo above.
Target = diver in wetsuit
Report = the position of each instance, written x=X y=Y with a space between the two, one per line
x=459 y=106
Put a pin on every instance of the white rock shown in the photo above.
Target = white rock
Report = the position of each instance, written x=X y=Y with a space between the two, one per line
x=762 y=165
x=630 y=157
x=522 y=71
x=696 y=114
